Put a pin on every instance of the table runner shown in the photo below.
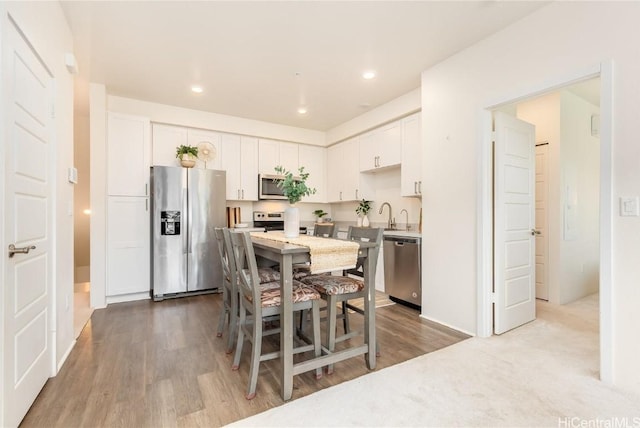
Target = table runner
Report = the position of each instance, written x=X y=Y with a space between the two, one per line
x=326 y=254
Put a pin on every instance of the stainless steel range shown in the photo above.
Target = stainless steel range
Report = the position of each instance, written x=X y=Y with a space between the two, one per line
x=271 y=221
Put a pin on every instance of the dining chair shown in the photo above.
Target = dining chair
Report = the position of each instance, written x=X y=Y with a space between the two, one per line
x=230 y=285
x=327 y=230
x=259 y=302
x=341 y=289
x=229 y=288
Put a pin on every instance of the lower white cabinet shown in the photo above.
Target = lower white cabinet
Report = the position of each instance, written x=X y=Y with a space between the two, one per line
x=128 y=245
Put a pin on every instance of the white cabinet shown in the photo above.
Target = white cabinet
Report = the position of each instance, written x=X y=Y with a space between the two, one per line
x=411 y=169
x=128 y=155
x=240 y=160
x=277 y=153
x=344 y=181
x=381 y=148
x=212 y=139
x=128 y=245
x=165 y=140
x=314 y=161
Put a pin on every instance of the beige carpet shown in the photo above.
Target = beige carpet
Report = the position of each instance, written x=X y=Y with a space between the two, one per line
x=544 y=373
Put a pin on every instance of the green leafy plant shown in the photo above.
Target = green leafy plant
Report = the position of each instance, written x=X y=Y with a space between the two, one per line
x=186 y=150
x=293 y=187
x=364 y=207
x=319 y=213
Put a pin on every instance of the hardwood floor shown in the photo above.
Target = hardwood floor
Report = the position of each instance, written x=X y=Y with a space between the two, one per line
x=146 y=364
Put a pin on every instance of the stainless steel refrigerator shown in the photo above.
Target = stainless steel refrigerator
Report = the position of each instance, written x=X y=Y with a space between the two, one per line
x=186 y=205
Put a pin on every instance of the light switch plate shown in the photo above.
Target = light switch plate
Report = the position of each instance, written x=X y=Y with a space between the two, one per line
x=72 y=175
x=629 y=207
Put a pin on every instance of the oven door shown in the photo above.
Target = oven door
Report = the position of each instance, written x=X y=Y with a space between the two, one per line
x=267 y=187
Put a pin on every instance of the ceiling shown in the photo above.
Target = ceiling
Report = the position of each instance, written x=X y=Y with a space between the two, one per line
x=263 y=60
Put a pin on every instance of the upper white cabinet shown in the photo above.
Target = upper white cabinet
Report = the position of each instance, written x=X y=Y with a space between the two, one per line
x=166 y=139
x=277 y=153
x=381 y=148
x=240 y=160
x=128 y=155
x=411 y=170
x=344 y=181
x=212 y=139
x=314 y=161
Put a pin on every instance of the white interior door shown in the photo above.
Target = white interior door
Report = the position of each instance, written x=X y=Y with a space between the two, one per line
x=542 y=240
x=514 y=214
x=27 y=344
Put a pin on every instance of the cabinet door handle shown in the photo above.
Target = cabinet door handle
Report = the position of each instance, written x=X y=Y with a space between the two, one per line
x=146 y=189
x=357 y=194
x=238 y=192
x=341 y=195
x=415 y=187
x=420 y=187
x=242 y=194
x=146 y=204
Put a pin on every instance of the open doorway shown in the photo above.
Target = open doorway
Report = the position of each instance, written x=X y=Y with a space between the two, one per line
x=567 y=177
x=82 y=217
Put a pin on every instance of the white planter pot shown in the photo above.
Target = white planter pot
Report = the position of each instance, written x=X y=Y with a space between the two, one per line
x=292 y=222
x=359 y=221
x=365 y=221
x=188 y=161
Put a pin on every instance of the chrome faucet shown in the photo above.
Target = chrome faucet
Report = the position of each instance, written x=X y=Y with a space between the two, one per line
x=407 y=223
x=391 y=224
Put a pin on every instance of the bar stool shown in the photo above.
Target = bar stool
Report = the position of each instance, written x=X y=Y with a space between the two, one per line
x=258 y=302
x=341 y=289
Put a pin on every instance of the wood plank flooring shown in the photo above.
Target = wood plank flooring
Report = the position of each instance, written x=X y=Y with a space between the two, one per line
x=152 y=364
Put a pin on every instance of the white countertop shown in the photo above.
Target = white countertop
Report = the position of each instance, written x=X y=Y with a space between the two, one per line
x=403 y=233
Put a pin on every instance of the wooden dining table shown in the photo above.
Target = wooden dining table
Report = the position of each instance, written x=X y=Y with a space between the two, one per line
x=288 y=254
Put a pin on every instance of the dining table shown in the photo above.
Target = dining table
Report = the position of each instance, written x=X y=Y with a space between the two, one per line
x=286 y=254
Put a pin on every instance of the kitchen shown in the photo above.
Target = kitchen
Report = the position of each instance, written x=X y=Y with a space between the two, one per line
x=245 y=158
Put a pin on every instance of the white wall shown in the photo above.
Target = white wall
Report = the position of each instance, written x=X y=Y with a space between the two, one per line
x=45 y=27
x=564 y=121
x=82 y=252
x=537 y=52
x=579 y=157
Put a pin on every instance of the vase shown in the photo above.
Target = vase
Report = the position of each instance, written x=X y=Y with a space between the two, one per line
x=359 y=221
x=292 y=222
x=188 y=161
x=365 y=221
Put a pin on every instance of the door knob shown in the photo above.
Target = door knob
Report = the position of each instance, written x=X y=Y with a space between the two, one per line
x=535 y=232
x=21 y=250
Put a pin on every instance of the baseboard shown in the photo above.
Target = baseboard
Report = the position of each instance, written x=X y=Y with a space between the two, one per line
x=65 y=356
x=448 y=325
x=128 y=297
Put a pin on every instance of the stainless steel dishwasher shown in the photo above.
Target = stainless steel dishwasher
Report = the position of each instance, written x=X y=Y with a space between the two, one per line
x=402 y=269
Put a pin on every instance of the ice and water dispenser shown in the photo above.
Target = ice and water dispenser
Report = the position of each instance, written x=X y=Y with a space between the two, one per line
x=169 y=222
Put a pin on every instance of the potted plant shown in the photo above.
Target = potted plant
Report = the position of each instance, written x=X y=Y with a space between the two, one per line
x=319 y=214
x=294 y=189
x=363 y=209
x=187 y=155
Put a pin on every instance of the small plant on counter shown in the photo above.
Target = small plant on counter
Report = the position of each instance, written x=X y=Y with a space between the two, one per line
x=363 y=207
x=319 y=214
x=293 y=187
x=186 y=150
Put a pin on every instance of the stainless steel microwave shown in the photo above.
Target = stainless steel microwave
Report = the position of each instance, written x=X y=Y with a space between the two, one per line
x=267 y=187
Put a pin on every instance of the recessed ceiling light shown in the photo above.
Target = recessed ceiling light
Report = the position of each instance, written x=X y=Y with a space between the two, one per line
x=87 y=212
x=197 y=89
x=369 y=74
x=302 y=110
